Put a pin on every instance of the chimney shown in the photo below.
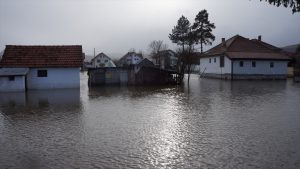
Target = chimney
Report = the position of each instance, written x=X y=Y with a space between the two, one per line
x=259 y=38
x=223 y=42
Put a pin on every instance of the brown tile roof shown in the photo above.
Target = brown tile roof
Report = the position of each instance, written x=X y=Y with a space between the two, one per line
x=256 y=55
x=269 y=46
x=42 y=56
x=297 y=54
x=239 y=47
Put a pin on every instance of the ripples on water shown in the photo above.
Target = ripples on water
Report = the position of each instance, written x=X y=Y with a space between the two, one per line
x=210 y=124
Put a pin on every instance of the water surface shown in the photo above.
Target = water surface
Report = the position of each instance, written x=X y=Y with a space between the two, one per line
x=210 y=124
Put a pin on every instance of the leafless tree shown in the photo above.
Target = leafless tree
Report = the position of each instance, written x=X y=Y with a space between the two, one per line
x=155 y=48
x=131 y=50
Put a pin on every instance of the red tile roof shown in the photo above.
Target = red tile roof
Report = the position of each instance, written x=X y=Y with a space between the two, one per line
x=42 y=56
x=239 y=47
x=256 y=55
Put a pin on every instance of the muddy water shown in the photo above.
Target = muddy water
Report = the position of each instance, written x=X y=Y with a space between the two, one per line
x=210 y=124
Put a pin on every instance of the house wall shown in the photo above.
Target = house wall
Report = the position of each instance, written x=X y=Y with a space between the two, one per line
x=262 y=67
x=17 y=85
x=102 y=61
x=134 y=59
x=57 y=78
x=214 y=67
x=167 y=61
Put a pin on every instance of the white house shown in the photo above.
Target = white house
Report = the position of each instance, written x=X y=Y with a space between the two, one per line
x=242 y=58
x=166 y=59
x=102 y=60
x=47 y=67
x=13 y=79
x=131 y=58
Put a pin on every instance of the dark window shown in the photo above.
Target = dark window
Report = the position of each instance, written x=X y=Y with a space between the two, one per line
x=42 y=73
x=11 y=78
x=209 y=60
x=271 y=64
x=222 y=61
x=215 y=59
x=253 y=64
x=241 y=63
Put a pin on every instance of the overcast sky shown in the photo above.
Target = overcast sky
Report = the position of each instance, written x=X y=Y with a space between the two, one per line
x=115 y=26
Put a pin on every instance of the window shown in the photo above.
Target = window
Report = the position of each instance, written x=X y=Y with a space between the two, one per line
x=222 y=61
x=253 y=64
x=271 y=64
x=215 y=59
x=98 y=61
x=241 y=64
x=106 y=60
x=11 y=78
x=42 y=73
x=209 y=60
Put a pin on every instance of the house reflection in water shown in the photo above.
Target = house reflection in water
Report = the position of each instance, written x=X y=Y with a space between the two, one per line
x=60 y=99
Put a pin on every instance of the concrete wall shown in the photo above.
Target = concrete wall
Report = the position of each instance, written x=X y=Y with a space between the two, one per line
x=102 y=76
x=262 y=67
x=127 y=76
x=16 y=85
x=57 y=78
x=214 y=67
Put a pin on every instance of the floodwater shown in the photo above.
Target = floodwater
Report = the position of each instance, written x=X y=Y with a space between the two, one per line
x=210 y=124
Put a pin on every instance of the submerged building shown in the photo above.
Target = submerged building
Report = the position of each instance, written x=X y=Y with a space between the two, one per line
x=40 y=67
x=131 y=58
x=102 y=60
x=242 y=58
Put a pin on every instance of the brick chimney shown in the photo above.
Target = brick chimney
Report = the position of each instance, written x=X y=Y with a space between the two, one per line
x=223 y=42
x=259 y=38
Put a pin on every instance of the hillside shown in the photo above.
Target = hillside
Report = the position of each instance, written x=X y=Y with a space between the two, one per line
x=291 y=48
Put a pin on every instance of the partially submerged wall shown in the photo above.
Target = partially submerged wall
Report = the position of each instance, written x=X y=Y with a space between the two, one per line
x=128 y=76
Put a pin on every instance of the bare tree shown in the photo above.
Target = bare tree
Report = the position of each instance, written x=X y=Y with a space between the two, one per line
x=131 y=50
x=156 y=47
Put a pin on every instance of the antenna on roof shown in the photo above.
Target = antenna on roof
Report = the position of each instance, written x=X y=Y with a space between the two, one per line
x=94 y=52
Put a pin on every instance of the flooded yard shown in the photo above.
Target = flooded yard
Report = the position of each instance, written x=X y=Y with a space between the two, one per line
x=208 y=124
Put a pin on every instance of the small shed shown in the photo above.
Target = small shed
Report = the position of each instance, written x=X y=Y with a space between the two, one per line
x=13 y=79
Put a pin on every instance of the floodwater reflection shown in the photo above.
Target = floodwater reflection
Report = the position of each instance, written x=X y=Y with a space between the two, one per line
x=208 y=124
x=68 y=99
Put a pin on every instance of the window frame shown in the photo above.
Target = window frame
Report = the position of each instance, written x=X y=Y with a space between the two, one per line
x=241 y=63
x=42 y=73
x=253 y=63
x=222 y=61
x=11 y=78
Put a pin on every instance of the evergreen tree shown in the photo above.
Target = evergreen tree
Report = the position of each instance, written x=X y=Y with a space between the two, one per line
x=180 y=31
x=294 y=4
x=202 y=29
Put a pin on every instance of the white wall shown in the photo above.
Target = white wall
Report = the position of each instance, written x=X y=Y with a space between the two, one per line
x=136 y=59
x=102 y=60
x=214 y=67
x=262 y=67
x=12 y=86
x=57 y=78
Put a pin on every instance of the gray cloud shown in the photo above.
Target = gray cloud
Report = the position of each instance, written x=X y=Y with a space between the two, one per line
x=115 y=26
